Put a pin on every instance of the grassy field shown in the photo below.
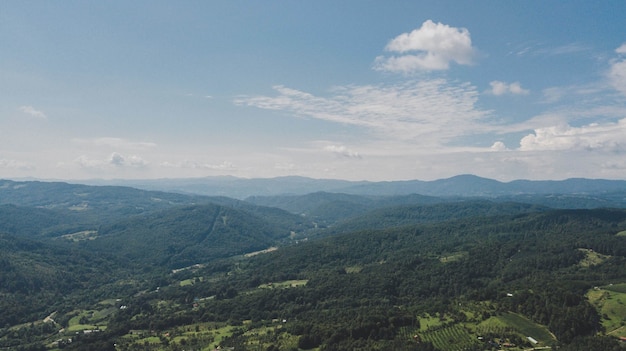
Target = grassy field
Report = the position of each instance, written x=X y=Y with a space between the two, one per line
x=527 y=327
x=190 y=281
x=611 y=304
x=453 y=257
x=354 y=269
x=84 y=320
x=622 y=233
x=592 y=258
x=450 y=338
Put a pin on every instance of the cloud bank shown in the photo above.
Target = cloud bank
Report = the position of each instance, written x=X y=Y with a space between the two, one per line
x=608 y=137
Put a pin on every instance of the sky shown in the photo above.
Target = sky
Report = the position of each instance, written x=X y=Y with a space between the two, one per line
x=354 y=89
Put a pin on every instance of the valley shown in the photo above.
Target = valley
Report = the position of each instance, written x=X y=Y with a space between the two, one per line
x=145 y=270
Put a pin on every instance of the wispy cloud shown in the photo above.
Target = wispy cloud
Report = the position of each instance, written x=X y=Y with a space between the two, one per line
x=501 y=88
x=429 y=48
x=577 y=92
x=32 y=112
x=16 y=165
x=342 y=151
x=542 y=49
x=117 y=143
x=566 y=49
x=428 y=111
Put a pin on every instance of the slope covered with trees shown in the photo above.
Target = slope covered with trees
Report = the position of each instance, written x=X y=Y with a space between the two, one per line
x=449 y=275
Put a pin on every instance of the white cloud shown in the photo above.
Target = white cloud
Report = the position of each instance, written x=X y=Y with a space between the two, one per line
x=498 y=146
x=617 y=76
x=431 y=47
x=607 y=137
x=500 y=88
x=342 y=151
x=31 y=111
x=119 y=160
x=617 y=71
x=427 y=111
x=115 y=160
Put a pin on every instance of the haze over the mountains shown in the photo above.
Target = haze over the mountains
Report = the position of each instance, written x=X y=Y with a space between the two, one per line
x=461 y=185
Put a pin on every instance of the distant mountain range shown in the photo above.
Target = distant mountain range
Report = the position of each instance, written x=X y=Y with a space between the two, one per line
x=461 y=185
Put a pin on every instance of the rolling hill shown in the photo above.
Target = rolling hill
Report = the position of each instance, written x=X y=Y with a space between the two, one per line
x=116 y=268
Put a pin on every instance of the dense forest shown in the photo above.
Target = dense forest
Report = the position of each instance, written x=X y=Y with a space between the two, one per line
x=116 y=268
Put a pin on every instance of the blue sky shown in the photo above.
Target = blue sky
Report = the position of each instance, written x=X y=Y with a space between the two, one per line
x=374 y=90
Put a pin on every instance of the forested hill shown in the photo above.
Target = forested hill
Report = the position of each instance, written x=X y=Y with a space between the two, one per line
x=189 y=235
x=467 y=284
x=38 y=278
x=115 y=268
x=332 y=207
x=99 y=202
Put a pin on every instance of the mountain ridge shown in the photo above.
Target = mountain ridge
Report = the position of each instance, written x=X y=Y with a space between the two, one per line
x=459 y=185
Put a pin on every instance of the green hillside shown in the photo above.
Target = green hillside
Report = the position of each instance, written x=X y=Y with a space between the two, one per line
x=388 y=289
x=453 y=275
x=185 y=236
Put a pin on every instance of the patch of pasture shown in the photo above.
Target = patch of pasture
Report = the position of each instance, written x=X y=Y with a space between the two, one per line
x=449 y=338
x=592 y=258
x=190 y=281
x=527 y=327
x=353 y=269
x=456 y=256
x=429 y=322
x=610 y=301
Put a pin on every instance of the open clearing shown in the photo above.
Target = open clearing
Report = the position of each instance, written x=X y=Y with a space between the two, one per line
x=527 y=327
x=283 y=285
x=81 y=236
x=592 y=258
x=611 y=304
